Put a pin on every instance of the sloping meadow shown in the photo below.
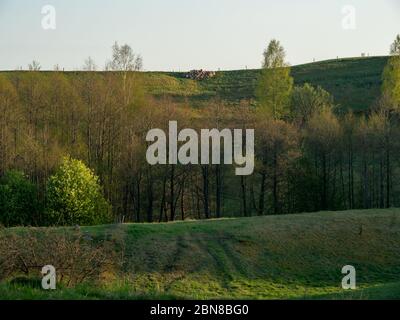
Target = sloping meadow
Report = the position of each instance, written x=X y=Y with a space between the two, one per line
x=288 y=256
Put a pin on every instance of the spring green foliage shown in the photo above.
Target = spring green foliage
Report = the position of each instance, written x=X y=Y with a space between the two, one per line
x=89 y=116
x=275 y=84
x=354 y=83
x=75 y=197
x=274 y=55
x=395 y=48
x=391 y=81
x=19 y=203
x=274 y=92
x=308 y=100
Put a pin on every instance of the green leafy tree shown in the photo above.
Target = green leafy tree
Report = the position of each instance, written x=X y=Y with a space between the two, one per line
x=307 y=100
x=274 y=55
x=391 y=82
x=75 y=196
x=395 y=48
x=19 y=203
x=321 y=145
x=275 y=85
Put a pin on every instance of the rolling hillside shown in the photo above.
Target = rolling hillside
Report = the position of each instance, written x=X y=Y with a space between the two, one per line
x=354 y=82
x=272 y=257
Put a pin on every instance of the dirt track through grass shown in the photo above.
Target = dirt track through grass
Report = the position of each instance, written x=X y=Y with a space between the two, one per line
x=272 y=257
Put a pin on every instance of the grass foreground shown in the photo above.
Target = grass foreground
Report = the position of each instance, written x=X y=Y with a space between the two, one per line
x=272 y=257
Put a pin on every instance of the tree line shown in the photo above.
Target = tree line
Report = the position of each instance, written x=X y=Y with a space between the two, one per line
x=310 y=155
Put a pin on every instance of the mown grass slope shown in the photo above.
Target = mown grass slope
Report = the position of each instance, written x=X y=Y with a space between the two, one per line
x=273 y=257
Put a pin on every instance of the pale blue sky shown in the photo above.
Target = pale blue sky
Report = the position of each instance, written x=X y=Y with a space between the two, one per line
x=188 y=34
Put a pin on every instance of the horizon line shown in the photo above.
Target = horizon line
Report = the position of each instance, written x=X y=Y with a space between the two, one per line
x=185 y=71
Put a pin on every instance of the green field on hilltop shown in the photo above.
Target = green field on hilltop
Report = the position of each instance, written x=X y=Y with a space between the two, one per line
x=271 y=257
x=354 y=82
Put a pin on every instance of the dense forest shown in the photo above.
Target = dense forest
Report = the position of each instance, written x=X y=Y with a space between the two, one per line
x=310 y=155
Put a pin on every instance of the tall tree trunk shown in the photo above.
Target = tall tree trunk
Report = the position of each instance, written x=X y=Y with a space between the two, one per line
x=381 y=184
x=162 y=205
x=275 y=183
x=261 y=202
x=244 y=197
x=344 y=204
x=365 y=182
x=150 y=198
x=183 y=202
x=138 y=202
x=388 y=203
x=206 y=192
x=351 y=178
x=253 y=198
x=218 y=190
x=324 y=182
x=172 y=193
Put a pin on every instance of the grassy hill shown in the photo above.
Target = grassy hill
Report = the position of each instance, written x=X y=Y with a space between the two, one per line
x=272 y=257
x=354 y=82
